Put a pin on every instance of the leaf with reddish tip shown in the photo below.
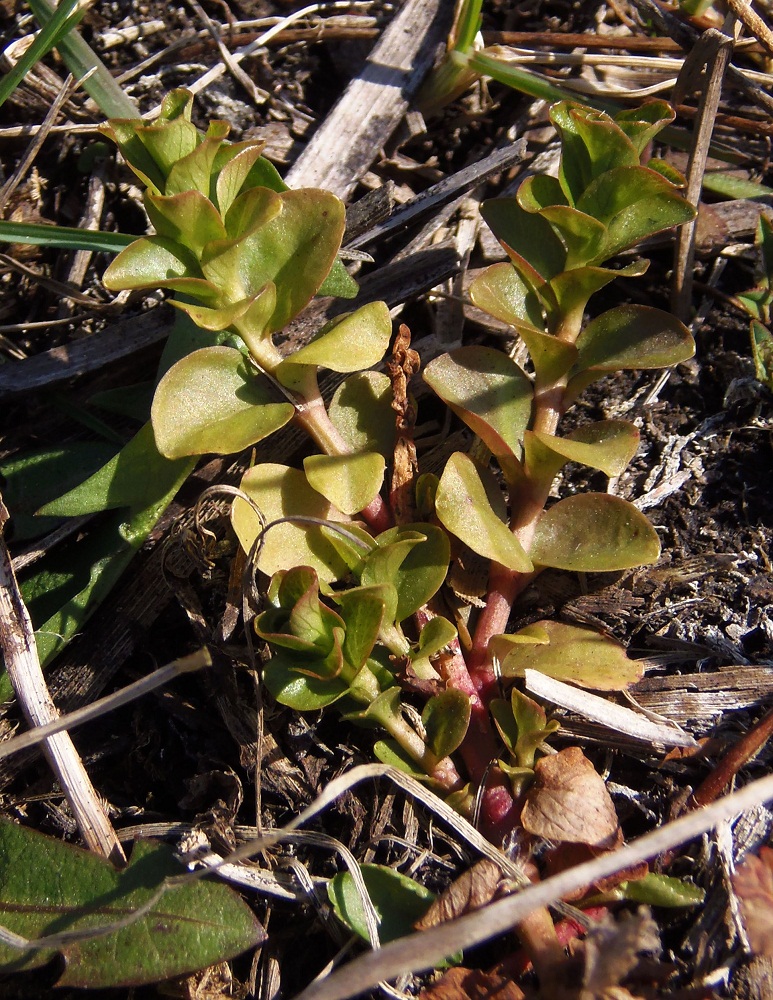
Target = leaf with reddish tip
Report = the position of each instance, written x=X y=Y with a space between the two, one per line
x=349 y=482
x=211 y=402
x=591 y=145
x=462 y=506
x=502 y=293
x=594 y=533
x=490 y=393
x=577 y=655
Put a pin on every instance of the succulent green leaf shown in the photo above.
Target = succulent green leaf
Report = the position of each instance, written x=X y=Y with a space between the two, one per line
x=231 y=175
x=633 y=336
x=577 y=655
x=188 y=218
x=361 y=410
x=490 y=393
x=436 y=634
x=581 y=234
x=351 y=551
x=502 y=293
x=399 y=901
x=390 y=752
x=633 y=203
x=349 y=344
x=551 y=357
x=253 y=311
x=362 y=610
x=280 y=491
x=123 y=132
x=422 y=572
x=591 y=145
x=210 y=401
x=349 y=482
x=594 y=533
x=662 y=890
x=48 y=885
x=528 y=238
x=339 y=282
x=446 y=718
x=135 y=477
x=251 y=210
x=168 y=142
x=756 y=302
x=298 y=691
x=193 y=172
x=608 y=445
x=572 y=289
x=382 y=565
x=462 y=506
x=504 y=720
x=540 y=191
x=151 y=262
x=642 y=124
x=762 y=350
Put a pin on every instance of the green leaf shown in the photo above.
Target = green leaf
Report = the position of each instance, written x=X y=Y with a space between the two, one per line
x=591 y=145
x=193 y=171
x=362 y=610
x=642 y=124
x=230 y=175
x=662 y=890
x=351 y=343
x=572 y=289
x=423 y=570
x=390 y=752
x=253 y=208
x=528 y=238
x=577 y=655
x=462 y=506
x=490 y=393
x=504 y=294
x=36 y=234
x=279 y=492
x=157 y=262
x=188 y=218
x=762 y=351
x=436 y=634
x=540 y=191
x=581 y=234
x=49 y=886
x=608 y=445
x=210 y=401
x=361 y=410
x=633 y=203
x=339 y=283
x=445 y=719
x=135 y=477
x=399 y=901
x=33 y=478
x=349 y=482
x=301 y=692
x=594 y=533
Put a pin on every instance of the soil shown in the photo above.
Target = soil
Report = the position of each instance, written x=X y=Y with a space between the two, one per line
x=192 y=753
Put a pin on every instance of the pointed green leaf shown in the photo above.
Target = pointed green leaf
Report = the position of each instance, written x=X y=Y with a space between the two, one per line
x=232 y=174
x=361 y=409
x=390 y=752
x=193 y=172
x=502 y=293
x=356 y=341
x=301 y=692
x=252 y=209
x=608 y=445
x=463 y=507
x=189 y=219
x=349 y=482
x=280 y=491
x=642 y=124
x=551 y=357
x=577 y=655
x=67 y=237
x=436 y=634
x=656 y=889
x=48 y=885
x=502 y=714
x=339 y=282
x=633 y=203
x=527 y=237
x=445 y=719
x=210 y=401
x=214 y=320
x=490 y=393
x=362 y=610
x=422 y=572
x=151 y=262
x=399 y=901
x=594 y=533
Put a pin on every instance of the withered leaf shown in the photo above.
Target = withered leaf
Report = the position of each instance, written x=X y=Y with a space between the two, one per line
x=611 y=950
x=753 y=883
x=473 y=889
x=401 y=368
x=570 y=802
x=472 y=984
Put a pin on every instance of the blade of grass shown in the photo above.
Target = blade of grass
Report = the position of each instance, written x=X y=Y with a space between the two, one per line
x=64 y=237
x=57 y=28
x=81 y=60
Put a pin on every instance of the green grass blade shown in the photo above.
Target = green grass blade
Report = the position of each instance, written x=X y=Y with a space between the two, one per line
x=80 y=59
x=58 y=26
x=63 y=237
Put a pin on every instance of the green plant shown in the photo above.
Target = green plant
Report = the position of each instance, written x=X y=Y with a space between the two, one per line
x=757 y=303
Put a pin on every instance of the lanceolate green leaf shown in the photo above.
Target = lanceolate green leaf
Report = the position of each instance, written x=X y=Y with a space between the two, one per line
x=211 y=402
x=65 y=237
x=463 y=507
x=594 y=533
x=47 y=885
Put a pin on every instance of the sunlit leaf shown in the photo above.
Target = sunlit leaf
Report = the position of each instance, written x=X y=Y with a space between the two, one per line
x=642 y=124
x=594 y=533
x=211 y=402
x=153 y=261
x=608 y=445
x=349 y=482
x=423 y=570
x=528 y=238
x=399 y=901
x=445 y=719
x=502 y=293
x=361 y=409
x=463 y=507
x=591 y=145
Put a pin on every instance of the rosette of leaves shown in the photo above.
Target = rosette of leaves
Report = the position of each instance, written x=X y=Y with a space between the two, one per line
x=559 y=232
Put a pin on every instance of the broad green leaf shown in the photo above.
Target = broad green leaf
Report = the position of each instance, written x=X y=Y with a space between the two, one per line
x=253 y=208
x=157 y=262
x=594 y=533
x=361 y=409
x=193 y=172
x=502 y=293
x=762 y=351
x=231 y=175
x=349 y=344
x=551 y=357
x=528 y=238
x=382 y=565
x=136 y=476
x=301 y=692
x=445 y=719
x=577 y=655
x=462 y=506
x=581 y=234
x=490 y=393
x=608 y=445
x=32 y=479
x=540 y=191
x=349 y=482
x=390 y=752
x=188 y=218
x=398 y=900
x=633 y=203
x=661 y=890
x=436 y=634
x=633 y=336
x=168 y=142
x=211 y=402
x=422 y=572
x=642 y=124
x=48 y=886
x=282 y=492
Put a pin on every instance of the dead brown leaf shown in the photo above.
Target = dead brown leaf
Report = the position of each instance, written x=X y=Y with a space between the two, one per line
x=570 y=802
x=753 y=883
x=612 y=947
x=404 y=364
x=472 y=984
x=473 y=889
